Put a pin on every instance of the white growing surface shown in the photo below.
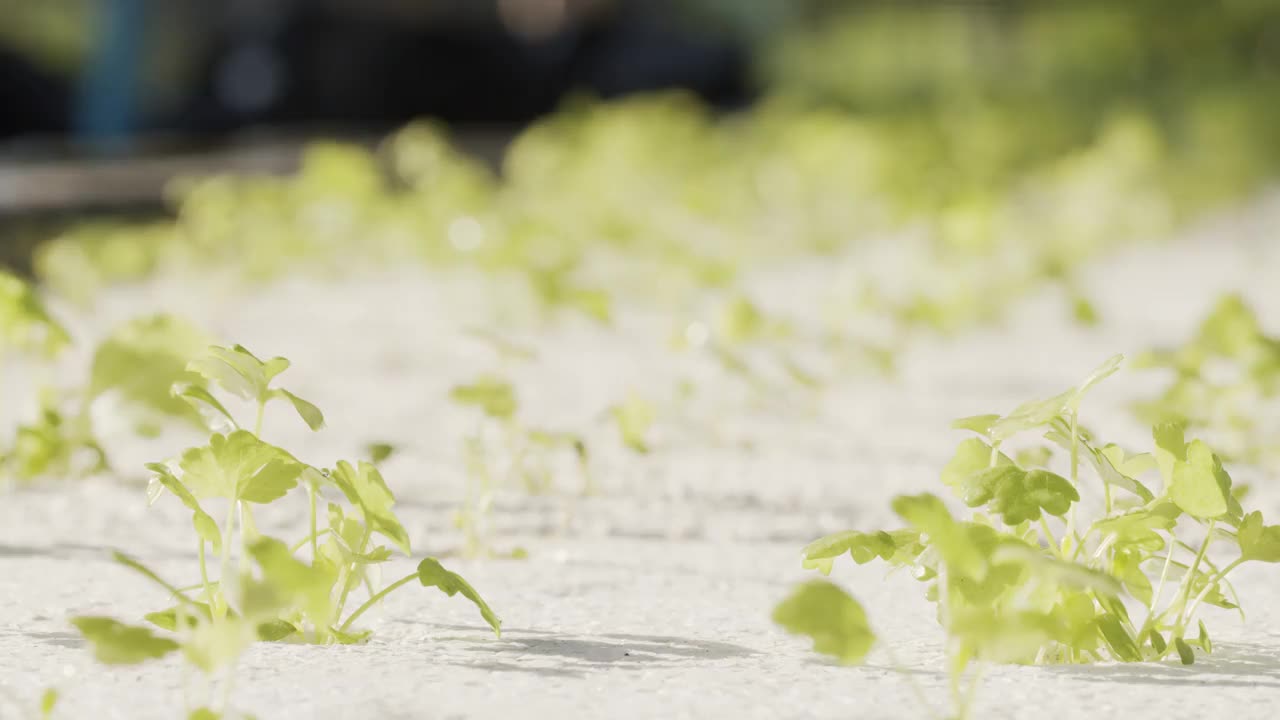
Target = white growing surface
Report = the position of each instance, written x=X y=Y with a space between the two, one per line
x=651 y=599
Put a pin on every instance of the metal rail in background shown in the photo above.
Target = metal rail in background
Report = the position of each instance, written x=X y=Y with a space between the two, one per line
x=103 y=185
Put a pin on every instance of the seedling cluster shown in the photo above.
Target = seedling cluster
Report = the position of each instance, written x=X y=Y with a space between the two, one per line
x=1226 y=381
x=1032 y=572
x=253 y=587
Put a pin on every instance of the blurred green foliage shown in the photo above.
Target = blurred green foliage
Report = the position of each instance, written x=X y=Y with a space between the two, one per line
x=1010 y=142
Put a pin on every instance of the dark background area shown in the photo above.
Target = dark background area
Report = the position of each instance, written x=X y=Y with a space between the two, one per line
x=199 y=70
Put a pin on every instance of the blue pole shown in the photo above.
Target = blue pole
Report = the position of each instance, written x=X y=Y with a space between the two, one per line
x=106 y=107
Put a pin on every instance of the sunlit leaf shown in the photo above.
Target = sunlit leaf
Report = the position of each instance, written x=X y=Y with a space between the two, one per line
x=835 y=622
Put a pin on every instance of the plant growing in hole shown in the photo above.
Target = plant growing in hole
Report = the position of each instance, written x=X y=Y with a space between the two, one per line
x=522 y=454
x=49 y=443
x=262 y=589
x=1028 y=577
x=134 y=368
x=1226 y=380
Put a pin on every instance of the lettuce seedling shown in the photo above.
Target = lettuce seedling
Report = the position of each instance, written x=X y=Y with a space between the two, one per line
x=634 y=417
x=521 y=456
x=57 y=443
x=263 y=591
x=136 y=364
x=26 y=327
x=1026 y=578
x=49 y=444
x=141 y=360
x=1221 y=377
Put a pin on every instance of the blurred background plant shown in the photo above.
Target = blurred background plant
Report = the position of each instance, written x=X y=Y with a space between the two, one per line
x=943 y=159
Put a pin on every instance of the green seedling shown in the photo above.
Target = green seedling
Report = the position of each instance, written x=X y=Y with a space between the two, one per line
x=136 y=364
x=634 y=418
x=1220 y=377
x=1026 y=578
x=48 y=444
x=521 y=456
x=740 y=332
x=140 y=361
x=379 y=452
x=26 y=327
x=556 y=290
x=263 y=590
x=57 y=443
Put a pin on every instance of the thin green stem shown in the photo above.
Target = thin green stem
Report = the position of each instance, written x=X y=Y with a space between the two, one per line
x=311 y=493
x=310 y=539
x=376 y=598
x=224 y=565
x=1150 y=622
x=1075 y=473
x=257 y=423
x=1185 y=589
x=204 y=575
x=1049 y=538
x=1213 y=582
x=345 y=575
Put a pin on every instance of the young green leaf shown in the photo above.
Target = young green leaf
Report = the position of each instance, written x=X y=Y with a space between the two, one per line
x=1021 y=499
x=25 y=324
x=1030 y=415
x=980 y=424
x=972 y=456
x=1171 y=448
x=309 y=413
x=290 y=581
x=205 y=525
x=432 y=574
x=148 y=573
x=827 y=614
x=115 y=643
x=239 y=466
x=142 y=359
x=930 y=516
x=48 y=702
x=379 y=451
x=1185 y=653
x=1102 y=372
x=1060 y=433
x=1141 y=527
x=167 y=619
x=490 y=393
x=364 y=487
x=1051 y=569
x=1004 y=637
x=862 y=547
x=1122 y=644
x=238 y=371
x=1201 y=487
x=1230 y=329
x=1257 y=541
x=215 y=415
x=634 y=417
